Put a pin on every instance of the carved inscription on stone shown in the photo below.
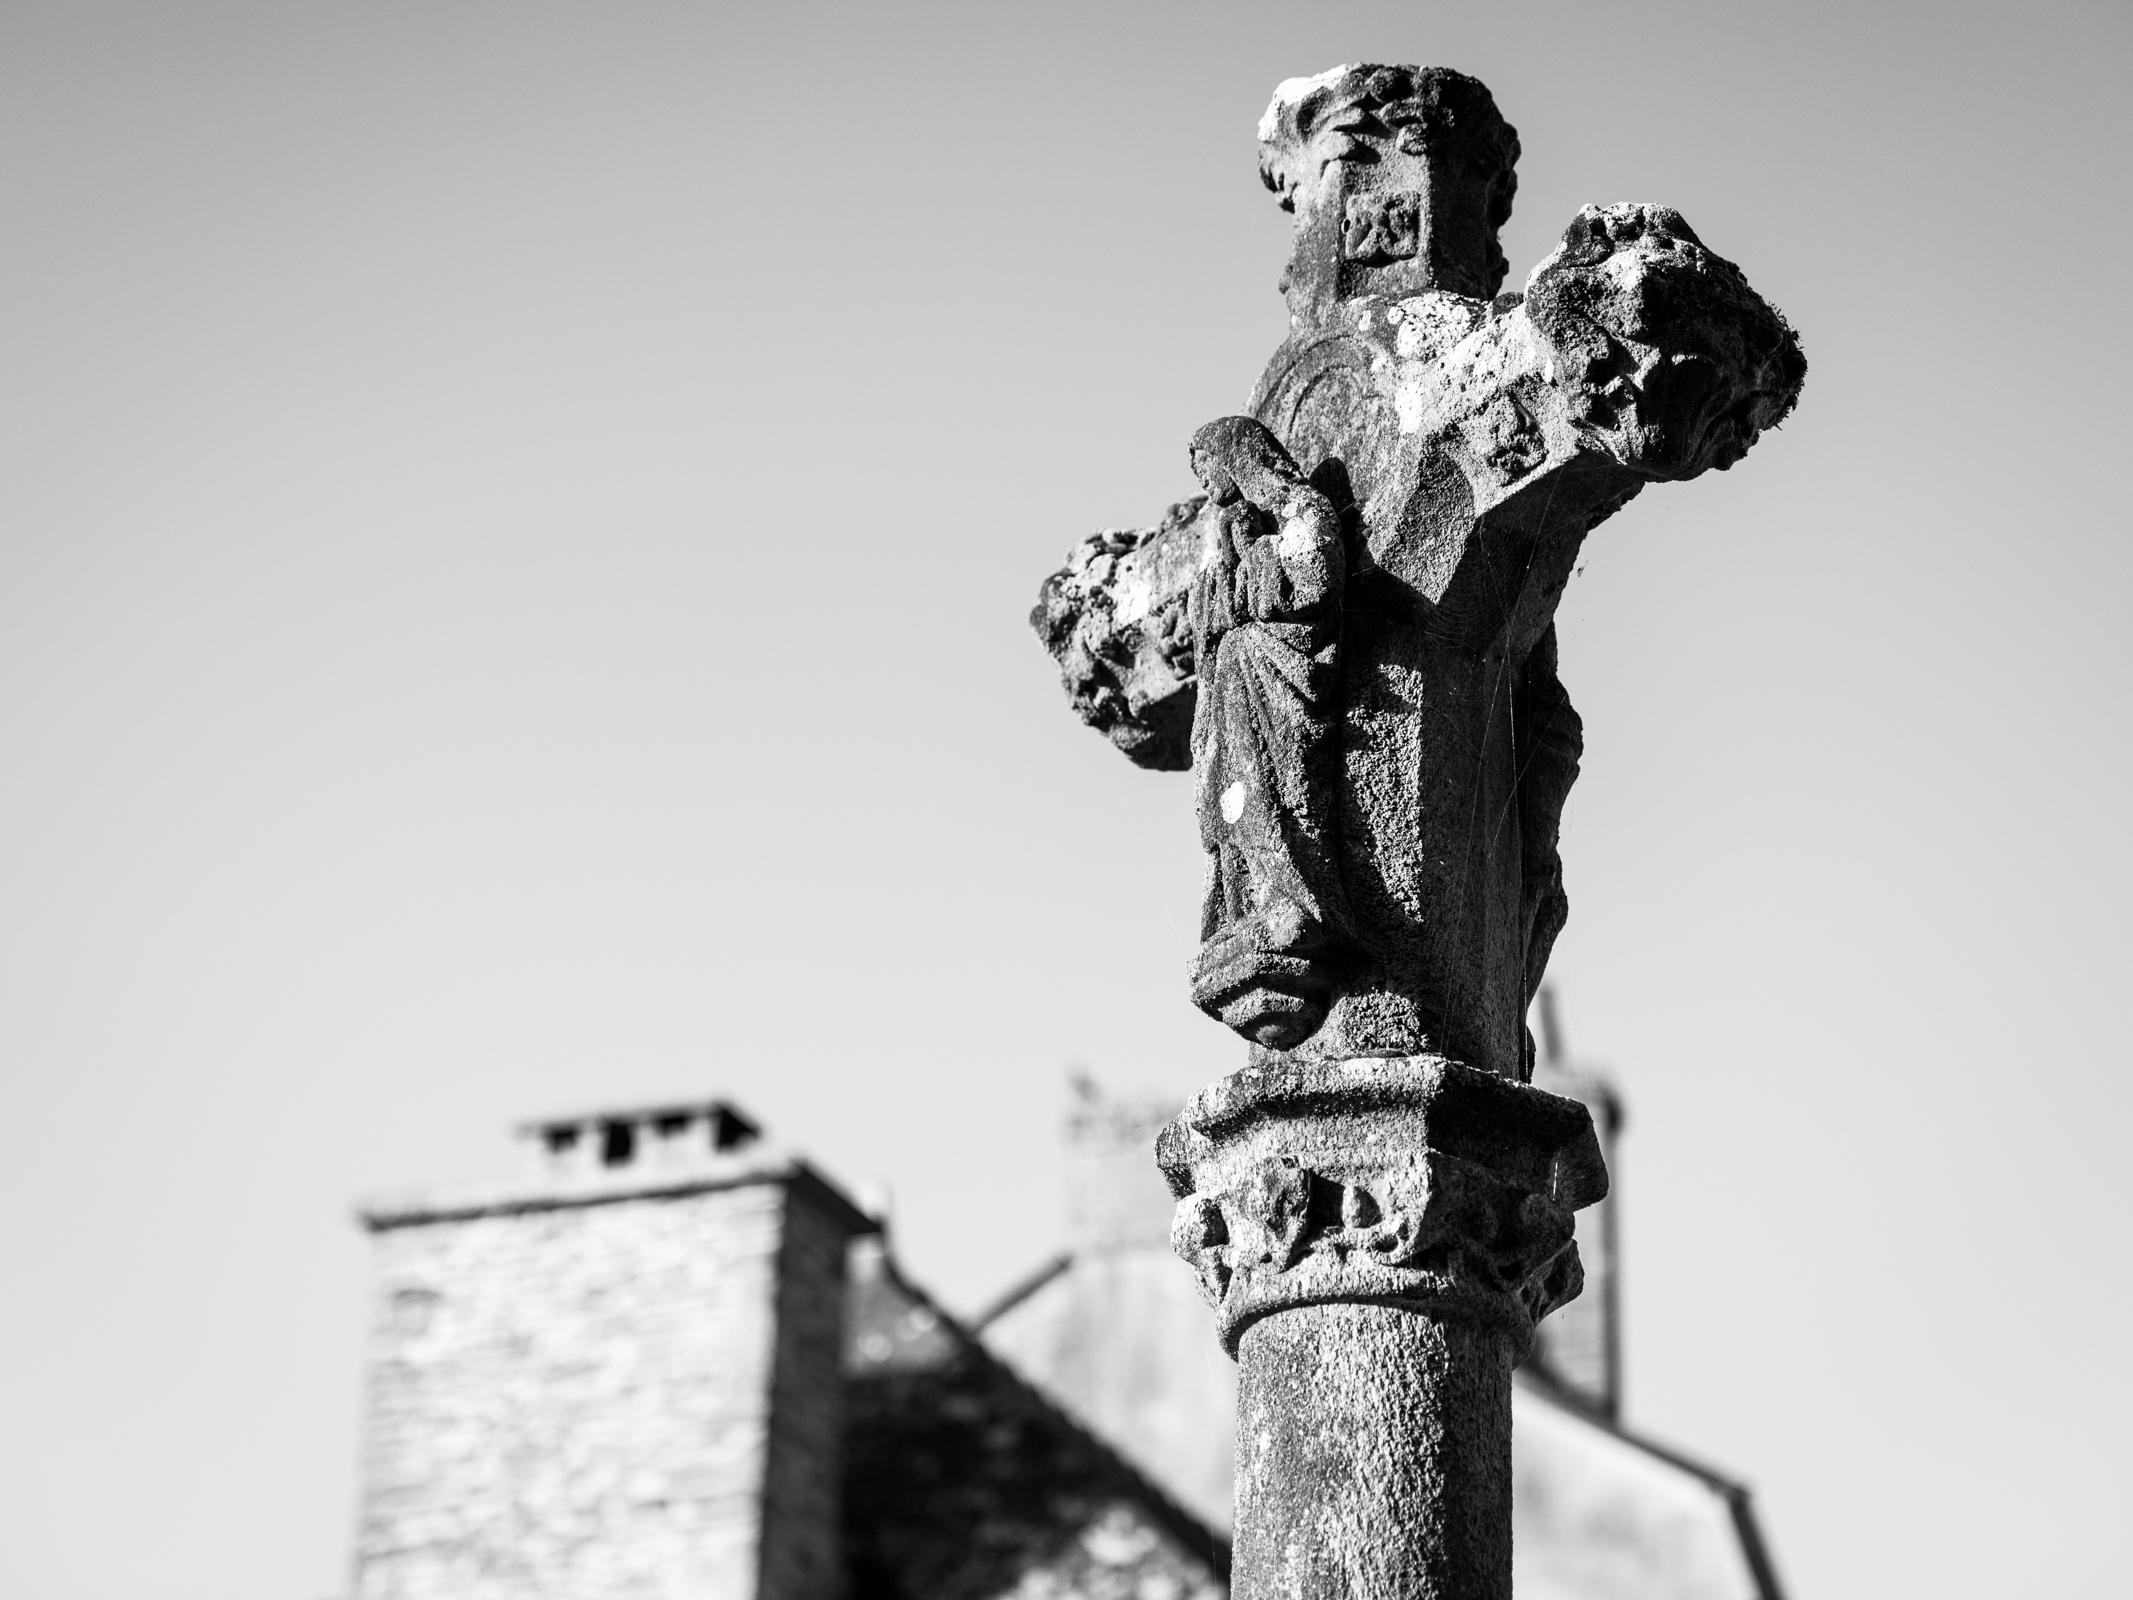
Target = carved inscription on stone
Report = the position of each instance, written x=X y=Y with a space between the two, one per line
x=1352 y=641
x=1382 y=227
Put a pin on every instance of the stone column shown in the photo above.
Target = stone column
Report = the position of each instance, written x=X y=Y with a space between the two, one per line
x=1349 y=639
x=1378 y=1238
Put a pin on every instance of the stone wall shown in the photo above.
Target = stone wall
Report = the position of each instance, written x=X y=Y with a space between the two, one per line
x=623 y=1388
x=803 y=1476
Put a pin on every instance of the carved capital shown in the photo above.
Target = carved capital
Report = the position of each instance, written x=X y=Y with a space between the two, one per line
x=1408 y=1180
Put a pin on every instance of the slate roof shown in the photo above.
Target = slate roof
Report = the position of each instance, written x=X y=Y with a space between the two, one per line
x=962 y=1482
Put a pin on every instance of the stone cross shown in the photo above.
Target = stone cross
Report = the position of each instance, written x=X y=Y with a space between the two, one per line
x=1348 y=637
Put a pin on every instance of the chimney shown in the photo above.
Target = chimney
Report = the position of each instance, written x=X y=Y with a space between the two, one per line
x=1578 y=1349
x=1116 y=1199
x=620 y=1376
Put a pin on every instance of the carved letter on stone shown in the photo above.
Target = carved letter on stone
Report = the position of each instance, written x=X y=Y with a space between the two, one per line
x=1350 y=637
x=1382 y=227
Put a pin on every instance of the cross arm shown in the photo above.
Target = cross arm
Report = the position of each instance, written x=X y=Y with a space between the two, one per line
x=1116 y=619
x=1636 y=354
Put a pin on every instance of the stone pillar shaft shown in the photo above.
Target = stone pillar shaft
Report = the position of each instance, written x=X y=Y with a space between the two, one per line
x=1393 y=1480
x=1378 y=1238
x=1350 y=640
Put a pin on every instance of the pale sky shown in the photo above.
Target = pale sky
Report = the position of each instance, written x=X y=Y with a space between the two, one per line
x=518 y=524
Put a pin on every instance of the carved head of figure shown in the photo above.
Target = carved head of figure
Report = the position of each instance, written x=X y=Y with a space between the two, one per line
x=1237 y=458
x=1399 y=178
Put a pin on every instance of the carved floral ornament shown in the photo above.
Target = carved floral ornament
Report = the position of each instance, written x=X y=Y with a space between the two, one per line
x=1335 y=1184
x=1431 y=1231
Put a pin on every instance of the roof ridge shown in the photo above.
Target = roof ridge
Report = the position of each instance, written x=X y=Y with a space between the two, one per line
x=1019 y=1291
x=1180 y=1523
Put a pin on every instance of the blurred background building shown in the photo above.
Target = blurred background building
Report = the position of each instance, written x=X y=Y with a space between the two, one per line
x=676 y=1361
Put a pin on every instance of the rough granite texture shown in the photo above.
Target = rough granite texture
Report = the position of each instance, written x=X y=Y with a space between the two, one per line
x=1378 y=1239
x=1115 y=1335
x=1415 y=1182
x=1349 y=634
x=1384 y=1486
x=1358 y=610
x=543 y=1390
x=620 y=1395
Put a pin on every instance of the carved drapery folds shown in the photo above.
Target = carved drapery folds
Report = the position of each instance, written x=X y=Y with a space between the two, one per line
x=1412 y=1182
x=1465 y=448
x=1349 y=637
x=1266 y=619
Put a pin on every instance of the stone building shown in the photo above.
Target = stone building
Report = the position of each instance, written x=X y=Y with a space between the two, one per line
x=673 y=1362
x=1117 y=1335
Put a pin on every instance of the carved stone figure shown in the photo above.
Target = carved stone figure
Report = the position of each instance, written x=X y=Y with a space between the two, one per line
x=1266 y=621
x=1398 y=891
x=1349 y=637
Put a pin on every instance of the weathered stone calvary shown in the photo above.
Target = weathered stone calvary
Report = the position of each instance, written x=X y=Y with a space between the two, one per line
x=1348 y=636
